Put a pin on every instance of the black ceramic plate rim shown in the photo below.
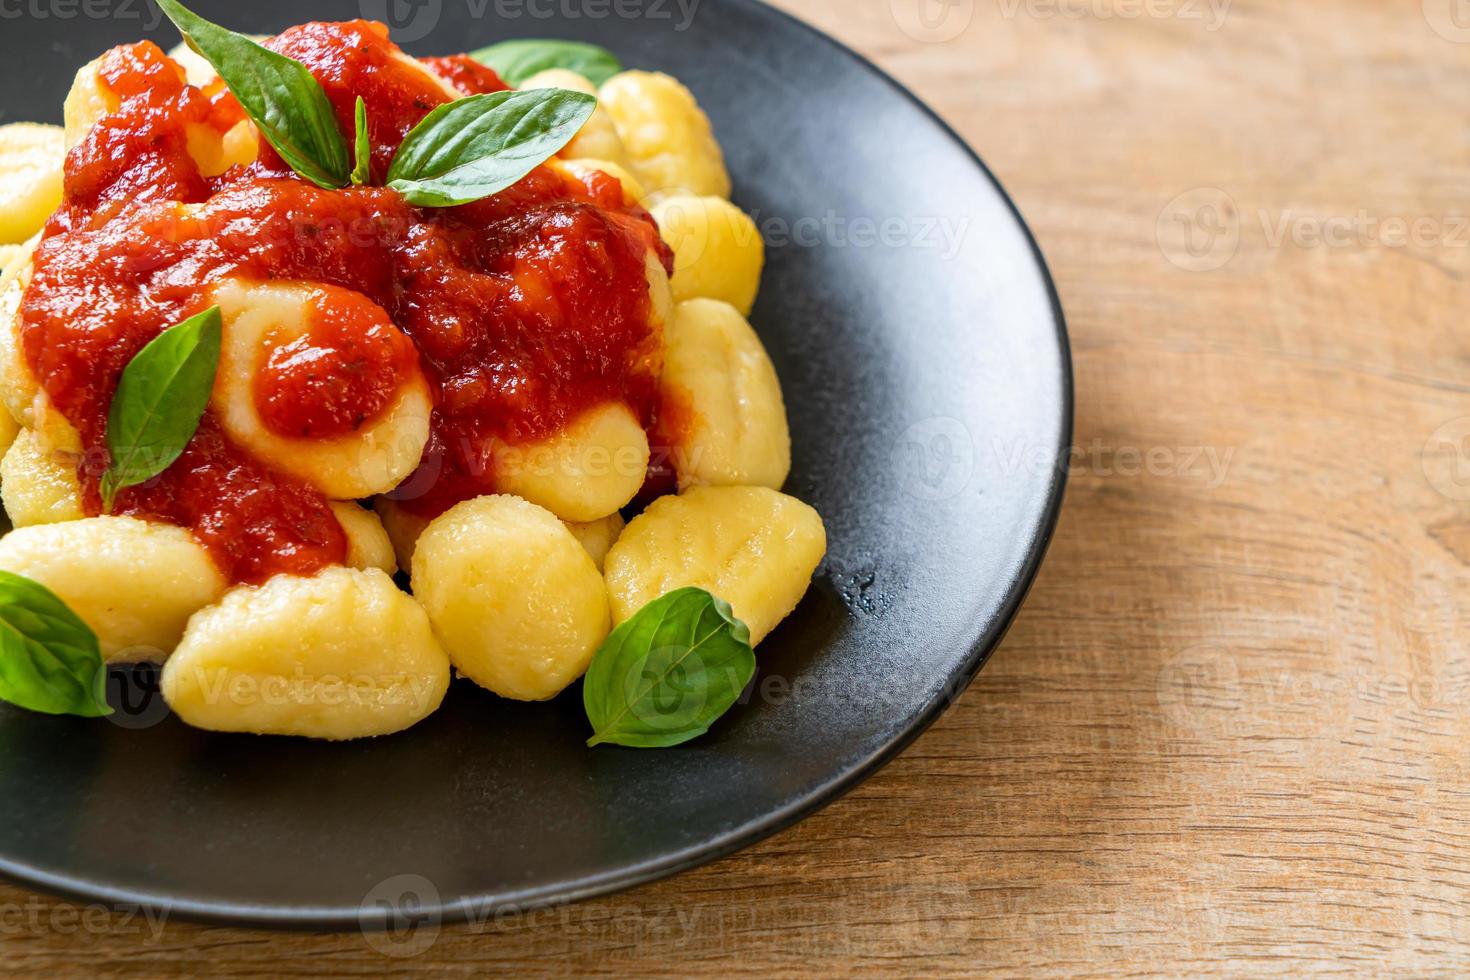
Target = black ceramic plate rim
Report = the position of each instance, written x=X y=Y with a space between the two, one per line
x=482 y=907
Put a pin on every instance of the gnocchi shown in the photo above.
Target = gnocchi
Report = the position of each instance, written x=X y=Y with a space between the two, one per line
x=135 y=583
x=751 y=546
x=598 y=137
x=381 y=358
x=718 y=252
x=31 y=157
x=733 y=430
x=584 y=472
x=86 y=103
x=18 y=387
x=9 y=431
x=368 y=545
x=39 y=486
x=514 y=597
x=666 y=134
x=341 y=655
x=260 y=318
x=403 y=528
x=633 y=192
x=598 y=537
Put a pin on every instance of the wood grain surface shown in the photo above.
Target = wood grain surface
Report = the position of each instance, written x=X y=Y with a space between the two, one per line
x=1229 y=732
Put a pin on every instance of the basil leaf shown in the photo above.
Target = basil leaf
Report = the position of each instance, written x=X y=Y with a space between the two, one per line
x=667 y=674
x=362 y=149
x=279 y=95
x=516 y=61
x=478 y=146
x=159 y=401
x=49 y=659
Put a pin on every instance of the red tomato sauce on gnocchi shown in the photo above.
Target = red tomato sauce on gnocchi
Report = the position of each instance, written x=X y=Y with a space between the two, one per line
x=522 y=310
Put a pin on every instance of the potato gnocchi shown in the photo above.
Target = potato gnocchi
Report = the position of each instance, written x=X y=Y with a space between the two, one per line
x=718 y=251
x=342 y=655
x=541 y=407
x=751 y=546
x=731 y=429
x=666 y=134
x=262 y=319
x=515 y=598
x=31 y=158
x=135 y=583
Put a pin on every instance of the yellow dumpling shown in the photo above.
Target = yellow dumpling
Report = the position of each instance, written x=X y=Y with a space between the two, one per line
x=736 y=432
x=259 y=317
x=403 y=528
x=20 y=392
x=344 y=654
x=718 y=252
x=9 y=430
x=666 y=134
x=513 y=596
x=585 y=472
x=37 y=485
x=633 y=192
x=598 y=137
x=86 y=103
x=18 y=385
x=197 y=71
x=753 y=547
x=597 y=537
x=31 y=158
x=368 y=545
x=134 y=582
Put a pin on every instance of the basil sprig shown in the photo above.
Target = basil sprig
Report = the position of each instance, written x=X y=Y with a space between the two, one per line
x=461 y=152
x=478 y=146
x=667 y=674
x=159 y=401
x=516 y=61
x=49 y=658
x=283 y=99
x=362 y=150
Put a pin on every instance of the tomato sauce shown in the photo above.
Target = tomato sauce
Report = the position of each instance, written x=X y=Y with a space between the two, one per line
x=522 y=310
x=466 y=74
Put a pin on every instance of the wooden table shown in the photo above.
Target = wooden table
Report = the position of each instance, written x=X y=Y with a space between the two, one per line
x=1229 y=732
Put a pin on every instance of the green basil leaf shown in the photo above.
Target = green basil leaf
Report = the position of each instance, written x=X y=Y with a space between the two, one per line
x=362 y=149
x=49 y=659
x=279 y=95
x=159 y=400
x=516 y=61
x=478 y=146
x=667 y=674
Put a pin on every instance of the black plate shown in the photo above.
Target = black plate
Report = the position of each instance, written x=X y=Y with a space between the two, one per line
x=926 y=369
